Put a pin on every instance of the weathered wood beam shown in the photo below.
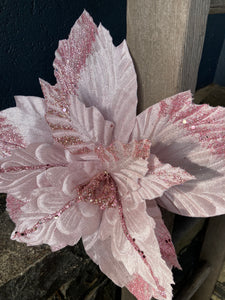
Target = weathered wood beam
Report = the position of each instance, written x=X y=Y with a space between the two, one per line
x=217 y=7
x=126 y=295
x=166 y=39
x=196 y=281
x=213 y=251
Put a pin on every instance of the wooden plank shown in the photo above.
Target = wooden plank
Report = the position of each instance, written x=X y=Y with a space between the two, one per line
x=126 y=295
x=217 y=7
x=196 y=281
x=213 y=251
x=166 y=39
x=185 y=232
x=219 y=290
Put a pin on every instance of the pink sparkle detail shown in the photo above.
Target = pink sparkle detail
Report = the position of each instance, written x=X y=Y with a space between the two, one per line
x=10 y=138
x=82 y=150
x=142 y=149
x=164 y=107
x=13 y=207
x=138 y=250
x=101 y=191
x=46 y=219
x=140 y=288
x=30 y=168
x=72 y=54
x=135 y=149
x=170 y=178
x=100 y=151
x=198 y=119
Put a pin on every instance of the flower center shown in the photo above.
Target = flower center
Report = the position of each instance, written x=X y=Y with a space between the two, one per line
x=101 y=190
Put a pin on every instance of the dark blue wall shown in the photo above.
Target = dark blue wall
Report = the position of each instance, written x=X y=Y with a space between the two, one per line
x=29 y=35
x=214 y=39
x=220 y=70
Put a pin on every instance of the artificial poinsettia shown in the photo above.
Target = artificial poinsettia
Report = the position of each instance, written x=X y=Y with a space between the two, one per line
x=80 y=164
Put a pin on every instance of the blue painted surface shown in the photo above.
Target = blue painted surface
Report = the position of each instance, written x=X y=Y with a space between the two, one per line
x=220 y=71
x=214 y=39
x=29 y=35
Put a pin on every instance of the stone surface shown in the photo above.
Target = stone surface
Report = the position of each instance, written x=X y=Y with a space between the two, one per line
x=15 y=257
x=212 y=94
x=37 y=273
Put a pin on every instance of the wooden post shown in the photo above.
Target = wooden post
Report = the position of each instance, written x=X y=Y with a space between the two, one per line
x=213 y=251
x=196 y=281
x=217 y=7
x=165 y=39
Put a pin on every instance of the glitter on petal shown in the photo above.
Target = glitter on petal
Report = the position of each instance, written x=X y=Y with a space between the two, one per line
x=85 y=166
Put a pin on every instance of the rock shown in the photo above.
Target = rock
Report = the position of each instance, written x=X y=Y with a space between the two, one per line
x=37 y=273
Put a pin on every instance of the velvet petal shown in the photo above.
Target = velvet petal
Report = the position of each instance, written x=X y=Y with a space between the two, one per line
x=100 y=252
x=65 y=229
x=19 y=172
x=74 y=125
x=127 y=163
x=100 y=74
x=141 y=228
x=23 y=125
x=160 y=178
x=191 y=137
x=163 y=236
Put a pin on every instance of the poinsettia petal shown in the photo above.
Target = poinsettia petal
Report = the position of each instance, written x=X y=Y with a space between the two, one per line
x=163 y=236
x=66 y=179
x=26 y=122
x=92 y=217
x=39 y=209
x=46 y=234
x=49 y=200
x=23 y=125
x=199 y=200
x=13 y=207
x=51 y=154
x=90 y=119
x=71 y=55
x=69 y=221
x=102 y=75
x=108 y=81
x=88 y=209
x=49 y=218
x=141 y=230
x=140 y=288
x=192 y=137
x=100 y=252
x=10 y=136
x=18 y=173
x=161 y=177
x=42 y=180
x=74 y=125
x=107 y=222
x=126 y=163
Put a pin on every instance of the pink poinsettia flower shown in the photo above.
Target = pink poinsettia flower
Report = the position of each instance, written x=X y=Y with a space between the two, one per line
x=80 y=164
